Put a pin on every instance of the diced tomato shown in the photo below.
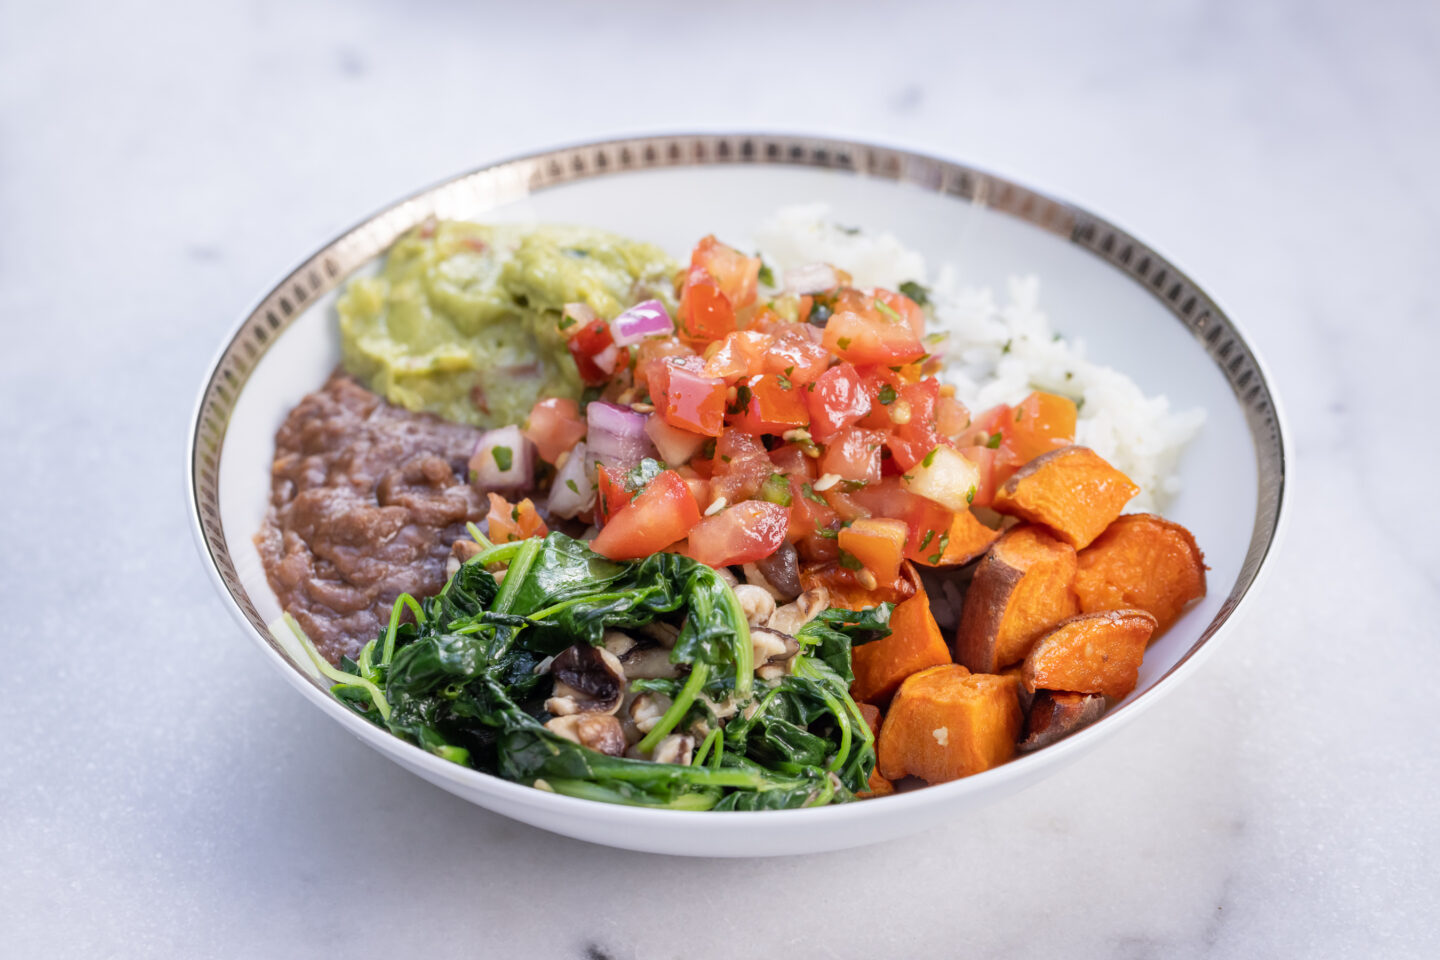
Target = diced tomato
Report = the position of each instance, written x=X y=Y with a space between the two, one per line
x=740 y=354
x=658 y=516
x=686 y=398
x=791 y=460
x=740 y=466
x=772 y=407
x=878 y=543
x=676 y=446
x=612 y=497
x=913 y=413
x=652 y=351
x=796 y=353
x=736 y=274
x=514 y=521
x=705 y=313
x=908 y=309
x=741 y=533
x=951 y=417
x=844 y=504
x=699 y=489
x=862 y=333
x=837 y=400
x=554 y=427
x=585 y=345
x=854 y=454
x=1041 y=422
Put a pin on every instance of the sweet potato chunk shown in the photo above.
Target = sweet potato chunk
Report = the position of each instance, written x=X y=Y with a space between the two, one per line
x=877 y=787
x=965 y=540
x=946 y=723
x=1055 y=715
x=1073 y=491
x=1023 y=587
x=1143 y=562
x=915 y=642
x=1091 y=653
x=871 y=713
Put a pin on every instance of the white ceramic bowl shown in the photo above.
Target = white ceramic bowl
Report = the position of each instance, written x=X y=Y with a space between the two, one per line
x=1134 y=309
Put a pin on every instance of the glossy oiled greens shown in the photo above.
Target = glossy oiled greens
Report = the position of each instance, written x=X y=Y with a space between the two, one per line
x=461 y=681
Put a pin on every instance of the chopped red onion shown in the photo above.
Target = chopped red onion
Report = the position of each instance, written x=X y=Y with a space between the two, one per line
x=811 y=278
x=574 y=489
x=606 y=359
x=504 y=459
x=616 y=435
x=646 y=319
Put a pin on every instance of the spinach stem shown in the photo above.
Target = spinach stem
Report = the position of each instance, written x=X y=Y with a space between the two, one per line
x=704 y=751
x=521 y=561
x=340 y=677
x=744 y=654
x=698 y=674
x=403 y=600
x=589 y=598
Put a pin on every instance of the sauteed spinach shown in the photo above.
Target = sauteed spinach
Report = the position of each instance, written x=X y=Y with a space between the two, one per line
x=464 y=678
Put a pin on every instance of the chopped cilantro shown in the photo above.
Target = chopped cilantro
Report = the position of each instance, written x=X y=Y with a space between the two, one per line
x=929 y=458
x=913 y=290
x=767 y=276
x=849 y=561
x=994 y=442
x=504 y=457
x=573 y=488
x=515 y=513
x=474 y=475
x=940 y=548
x=843 y=343
x=825 y=533
x=888 y=310
x=929 y=535
x=1006 y=348
x=848 y=231
x=790 y=370
x=887 y=394
x=810 y=494
x=970 y=494
x=1055 y=338
x=642 y=473
x=784 y=381
x=566 y=321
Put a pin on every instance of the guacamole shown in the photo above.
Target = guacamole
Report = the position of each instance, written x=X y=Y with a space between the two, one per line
x=464 y=319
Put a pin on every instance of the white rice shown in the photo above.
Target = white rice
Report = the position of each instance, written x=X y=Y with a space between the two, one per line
x=999 y=351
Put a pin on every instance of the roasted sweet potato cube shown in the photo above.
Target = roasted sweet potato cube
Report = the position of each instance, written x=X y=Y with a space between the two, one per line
x=965 y=539
x=877 y=787
x=1091 y=653
x=1022 y=588
x=1141 y=562
x=871 y=713
x=1073 y=491
x=946 y=723
x=1054 y=715
x=915 y=642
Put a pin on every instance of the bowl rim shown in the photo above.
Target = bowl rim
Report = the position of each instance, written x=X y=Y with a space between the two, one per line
x=497 y=183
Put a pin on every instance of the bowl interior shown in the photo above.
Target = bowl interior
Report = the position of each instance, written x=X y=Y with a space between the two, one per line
x=1143 y=318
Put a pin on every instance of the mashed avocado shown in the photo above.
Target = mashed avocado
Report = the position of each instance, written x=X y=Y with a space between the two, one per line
x=464 y=319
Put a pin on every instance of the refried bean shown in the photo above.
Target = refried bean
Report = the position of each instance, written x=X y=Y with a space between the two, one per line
x=366 y=500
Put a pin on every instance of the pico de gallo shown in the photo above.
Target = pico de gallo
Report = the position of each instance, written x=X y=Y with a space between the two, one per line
x=798 y=427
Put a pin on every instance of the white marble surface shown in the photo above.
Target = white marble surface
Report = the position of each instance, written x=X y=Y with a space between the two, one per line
x=162 y=794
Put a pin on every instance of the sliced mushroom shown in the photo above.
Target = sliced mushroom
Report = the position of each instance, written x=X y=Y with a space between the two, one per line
x=647 y=709
x=619 y=643
x=587 y=680
x=774 y=652
x=648 y=661
x=662 y=633
x=598 y=731
x=782 y=572
x=806 y=607
x=676 y=748
x=755 y=578
x=757 y=603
